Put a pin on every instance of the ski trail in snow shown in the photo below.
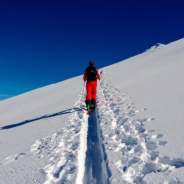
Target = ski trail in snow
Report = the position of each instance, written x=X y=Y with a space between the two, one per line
x=131 y=150
x=82 y=151
x=95 y=166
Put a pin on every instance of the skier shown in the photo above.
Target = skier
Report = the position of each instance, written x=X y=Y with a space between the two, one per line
x=91 y=74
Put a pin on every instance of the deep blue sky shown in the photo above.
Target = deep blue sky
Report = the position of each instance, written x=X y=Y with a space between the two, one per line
x=47 y=41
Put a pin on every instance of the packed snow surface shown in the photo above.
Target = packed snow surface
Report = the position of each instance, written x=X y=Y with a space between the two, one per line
x=135 y=135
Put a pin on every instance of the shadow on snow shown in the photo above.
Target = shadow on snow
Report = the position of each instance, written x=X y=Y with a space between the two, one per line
x=94 y=173
x=42 y=117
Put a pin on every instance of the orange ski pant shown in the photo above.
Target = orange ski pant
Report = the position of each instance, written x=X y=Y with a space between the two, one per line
x=91 y=90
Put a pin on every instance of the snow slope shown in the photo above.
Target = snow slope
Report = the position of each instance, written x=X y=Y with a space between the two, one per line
x=134 y=136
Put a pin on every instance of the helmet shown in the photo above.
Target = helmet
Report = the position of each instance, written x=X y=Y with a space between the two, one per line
x=91 y=63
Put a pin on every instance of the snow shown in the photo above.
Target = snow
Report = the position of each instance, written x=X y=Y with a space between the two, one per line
x=82 y=150
x=155 y=47
x=135 y=135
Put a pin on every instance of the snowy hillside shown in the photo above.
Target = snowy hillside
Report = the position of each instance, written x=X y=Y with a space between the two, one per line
x=134 y=136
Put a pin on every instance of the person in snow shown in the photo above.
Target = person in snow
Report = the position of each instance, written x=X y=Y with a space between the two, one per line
x=91 y=74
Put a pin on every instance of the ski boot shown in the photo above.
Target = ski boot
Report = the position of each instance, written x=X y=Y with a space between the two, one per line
x=88 y=106
x=93 y=104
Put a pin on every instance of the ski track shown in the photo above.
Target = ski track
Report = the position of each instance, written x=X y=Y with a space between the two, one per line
x=131 y=150
x=127 y=151
x=96 y=169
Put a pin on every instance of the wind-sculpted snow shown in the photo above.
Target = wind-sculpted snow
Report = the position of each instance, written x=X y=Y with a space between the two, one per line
x=131 y=150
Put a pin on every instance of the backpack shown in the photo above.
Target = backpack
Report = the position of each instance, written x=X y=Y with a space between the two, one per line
x=91 y=74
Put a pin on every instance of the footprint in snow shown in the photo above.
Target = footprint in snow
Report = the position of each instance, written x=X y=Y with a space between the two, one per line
x=162 y=143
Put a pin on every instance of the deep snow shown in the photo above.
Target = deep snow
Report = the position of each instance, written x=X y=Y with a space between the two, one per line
x=135 y=134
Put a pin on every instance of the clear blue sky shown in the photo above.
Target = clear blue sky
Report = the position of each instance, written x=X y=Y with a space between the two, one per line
x=47 y=41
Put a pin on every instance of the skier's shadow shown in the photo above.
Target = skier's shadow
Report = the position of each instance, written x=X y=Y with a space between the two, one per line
x=42 y=117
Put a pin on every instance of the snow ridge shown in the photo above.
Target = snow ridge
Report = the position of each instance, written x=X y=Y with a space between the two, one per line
x=82 y=150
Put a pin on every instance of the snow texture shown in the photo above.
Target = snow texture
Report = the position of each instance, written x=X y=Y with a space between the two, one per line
x=135 y=134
